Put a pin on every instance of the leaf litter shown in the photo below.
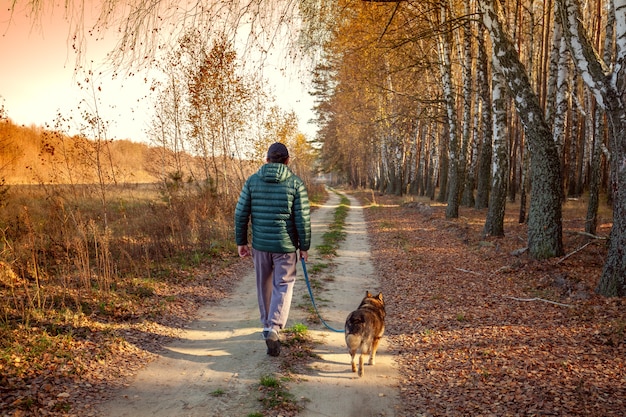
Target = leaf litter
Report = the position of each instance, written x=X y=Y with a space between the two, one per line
x=481 y=329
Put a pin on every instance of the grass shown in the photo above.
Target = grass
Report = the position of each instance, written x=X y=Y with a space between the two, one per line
x=299 y=330
x=297 y=350
x=218 y=392
x=318 y=267
x=335 y=234
x=275 y=395
x=71 y=282
x=299 y=345
x=269 y=381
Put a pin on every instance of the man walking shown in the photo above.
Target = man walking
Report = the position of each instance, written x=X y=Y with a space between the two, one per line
x=276 y=203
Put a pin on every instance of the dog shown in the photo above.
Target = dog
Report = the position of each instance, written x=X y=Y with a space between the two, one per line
x=364 y=328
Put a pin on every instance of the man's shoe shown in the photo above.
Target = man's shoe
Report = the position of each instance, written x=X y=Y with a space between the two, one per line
x=273 y=343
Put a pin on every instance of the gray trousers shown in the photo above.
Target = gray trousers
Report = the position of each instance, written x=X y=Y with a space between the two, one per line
x=275 y=278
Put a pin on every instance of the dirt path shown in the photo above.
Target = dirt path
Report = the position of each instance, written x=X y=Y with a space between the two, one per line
x=222 y=351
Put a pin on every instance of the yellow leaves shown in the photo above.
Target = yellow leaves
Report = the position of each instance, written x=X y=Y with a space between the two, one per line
x=17 y=361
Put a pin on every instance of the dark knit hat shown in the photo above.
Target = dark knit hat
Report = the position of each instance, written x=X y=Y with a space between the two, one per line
x=277 y=152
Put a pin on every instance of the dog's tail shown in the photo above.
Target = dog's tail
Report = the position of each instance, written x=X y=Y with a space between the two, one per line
x=353 y=342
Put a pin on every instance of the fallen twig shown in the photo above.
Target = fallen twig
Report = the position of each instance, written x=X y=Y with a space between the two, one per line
x=571 y=253
x=539 y=299
x=589 y=235
x=468 y=271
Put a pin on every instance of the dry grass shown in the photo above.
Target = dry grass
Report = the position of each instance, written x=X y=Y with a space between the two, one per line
x=61 y=247
x=89 y=291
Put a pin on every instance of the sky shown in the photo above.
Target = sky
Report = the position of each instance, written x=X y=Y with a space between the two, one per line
x=38 y=81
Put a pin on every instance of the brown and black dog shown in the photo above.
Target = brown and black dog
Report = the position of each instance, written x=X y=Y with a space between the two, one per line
x=364 y=328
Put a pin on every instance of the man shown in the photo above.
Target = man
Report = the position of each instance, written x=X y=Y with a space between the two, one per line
x=277 y=203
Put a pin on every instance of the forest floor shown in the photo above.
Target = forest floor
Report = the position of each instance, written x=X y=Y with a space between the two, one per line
x=474 y=327
x=482 y=330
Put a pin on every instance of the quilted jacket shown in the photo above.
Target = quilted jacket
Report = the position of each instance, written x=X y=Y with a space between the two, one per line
x=275 y=201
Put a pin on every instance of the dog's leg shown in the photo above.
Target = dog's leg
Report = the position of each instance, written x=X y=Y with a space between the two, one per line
x=353 y=363
x=375 y=343
x=361 y=364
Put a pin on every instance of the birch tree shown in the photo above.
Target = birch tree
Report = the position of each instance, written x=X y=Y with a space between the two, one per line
x=484 y=164
x=608 y=86
x=599 y=130
x=544 y=218
x=467 y=160
x=494 y=223
x=454 y=180
x=562 y=103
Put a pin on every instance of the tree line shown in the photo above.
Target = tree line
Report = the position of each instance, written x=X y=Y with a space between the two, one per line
x=475 y=102
x=425 y=96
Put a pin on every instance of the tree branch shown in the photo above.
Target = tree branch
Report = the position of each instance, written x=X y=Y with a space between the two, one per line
x=539 y=299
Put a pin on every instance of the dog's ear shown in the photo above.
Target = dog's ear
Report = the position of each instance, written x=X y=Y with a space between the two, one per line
x=368 y=294
x=380 y=296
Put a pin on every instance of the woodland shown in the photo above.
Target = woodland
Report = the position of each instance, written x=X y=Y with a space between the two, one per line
x=477 y=107
x=492 y=98
x=475 y=103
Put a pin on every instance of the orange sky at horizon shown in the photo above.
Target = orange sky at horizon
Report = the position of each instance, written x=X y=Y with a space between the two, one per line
x=37 y=80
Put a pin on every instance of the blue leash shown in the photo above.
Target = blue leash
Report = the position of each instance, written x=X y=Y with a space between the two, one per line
x=308 y=285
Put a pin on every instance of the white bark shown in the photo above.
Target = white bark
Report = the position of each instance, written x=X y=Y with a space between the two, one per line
x=590 y=66
x=444 y=45
x=620 y=44
x=562 y=97
x=494 y=223
x=608 y=88
x=467 y=172
x=544 y=219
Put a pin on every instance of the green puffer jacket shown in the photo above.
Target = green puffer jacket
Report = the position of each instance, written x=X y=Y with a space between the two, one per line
x=277 y=203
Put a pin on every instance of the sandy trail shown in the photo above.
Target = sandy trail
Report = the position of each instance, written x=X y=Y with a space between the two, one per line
x=215 y=366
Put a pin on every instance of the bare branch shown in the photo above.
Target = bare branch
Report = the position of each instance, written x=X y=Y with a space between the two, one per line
x=571 y=253
x=142 y=28
x=539 y=299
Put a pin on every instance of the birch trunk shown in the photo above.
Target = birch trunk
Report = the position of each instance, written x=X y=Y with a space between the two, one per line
x=422 y=164
x=562 y=101
x=486 y=133
x=454 y=181
x=608 y=89
x=444 y=163
x=433 y=165
x=467 y=161
x=544 y=219
x=494 y=223
x=591 y=220
x=553 y=67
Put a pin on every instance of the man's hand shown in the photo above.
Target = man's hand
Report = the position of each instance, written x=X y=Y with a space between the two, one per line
x=243 y=250
x=304 y=255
